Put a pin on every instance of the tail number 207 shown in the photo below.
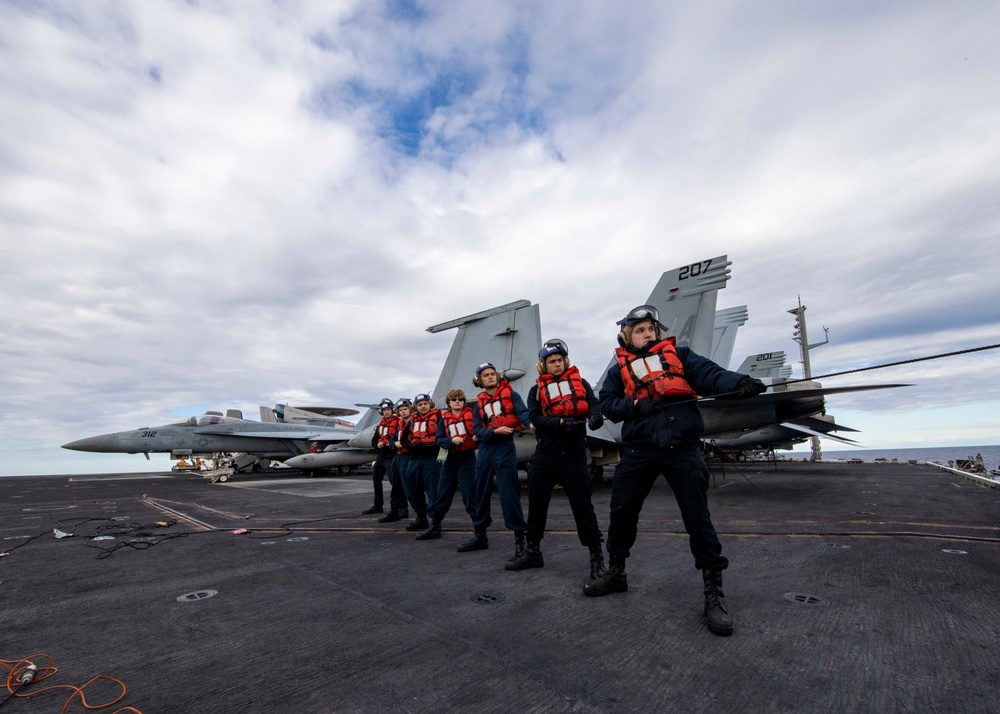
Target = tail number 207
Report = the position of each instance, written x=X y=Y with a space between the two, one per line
x=693 y=270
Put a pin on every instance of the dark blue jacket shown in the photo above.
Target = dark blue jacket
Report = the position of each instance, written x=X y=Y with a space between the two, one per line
x=553 y=437
x=674 y=424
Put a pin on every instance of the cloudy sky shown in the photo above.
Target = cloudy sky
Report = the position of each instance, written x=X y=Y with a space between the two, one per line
x=209 y=204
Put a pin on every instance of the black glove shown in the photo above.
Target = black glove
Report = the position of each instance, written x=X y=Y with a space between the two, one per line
x=644 y=407
x=750 y=387
x=570 y=424
x=596 y=421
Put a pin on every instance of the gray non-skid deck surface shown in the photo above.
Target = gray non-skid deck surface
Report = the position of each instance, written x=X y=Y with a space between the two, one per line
x=364 y=618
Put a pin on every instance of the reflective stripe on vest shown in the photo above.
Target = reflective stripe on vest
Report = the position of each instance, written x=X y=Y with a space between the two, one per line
x=565 y=396
x=460 y=426
x=655 y=374
x=498 y=410
x=387 y=428
x=423 y=429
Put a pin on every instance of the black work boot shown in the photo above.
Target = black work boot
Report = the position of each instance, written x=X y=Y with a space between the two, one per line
x=432 y=533
x=530 y=557
x=518 y=545
x=418 y=525
x=371 y=511
x=478 y=541
x=717 y=617
x=404 y=513
x=613 y=581
x=597 y=570
x=390 y=517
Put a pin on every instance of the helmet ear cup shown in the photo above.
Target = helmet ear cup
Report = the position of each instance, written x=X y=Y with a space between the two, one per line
x=622 y=339
x=476 y=382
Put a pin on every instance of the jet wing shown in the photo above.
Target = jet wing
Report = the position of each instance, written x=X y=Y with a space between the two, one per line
x=791 y=394
x=821 y=424
x=813 y=432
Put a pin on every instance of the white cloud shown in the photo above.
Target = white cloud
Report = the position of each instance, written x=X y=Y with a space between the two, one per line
x=205 y=204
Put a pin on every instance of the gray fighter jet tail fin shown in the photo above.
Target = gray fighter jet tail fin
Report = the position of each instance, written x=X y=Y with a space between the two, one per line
x=686 y=299
x=766 y=365
x=727 y=322
x=369 y=417
x=509 y=336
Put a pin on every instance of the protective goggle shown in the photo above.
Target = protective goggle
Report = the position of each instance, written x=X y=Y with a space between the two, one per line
x=638 y=314
x=422 y=398
x=485 y=365
x=404 y=403
x=553 y=347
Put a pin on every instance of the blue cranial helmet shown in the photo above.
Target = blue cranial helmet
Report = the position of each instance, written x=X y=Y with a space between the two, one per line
x=553 y=347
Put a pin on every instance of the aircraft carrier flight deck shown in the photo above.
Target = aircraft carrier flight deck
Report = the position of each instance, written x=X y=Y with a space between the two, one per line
x=854 y=588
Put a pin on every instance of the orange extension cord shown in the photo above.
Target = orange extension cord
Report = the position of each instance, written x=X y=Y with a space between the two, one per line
x=17 y=667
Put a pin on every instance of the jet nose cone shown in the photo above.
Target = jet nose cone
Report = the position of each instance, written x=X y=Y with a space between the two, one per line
x=103 y=444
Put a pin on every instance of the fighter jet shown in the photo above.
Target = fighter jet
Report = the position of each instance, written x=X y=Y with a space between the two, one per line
x=807 y=419
x=509 y=336
x=213 y=433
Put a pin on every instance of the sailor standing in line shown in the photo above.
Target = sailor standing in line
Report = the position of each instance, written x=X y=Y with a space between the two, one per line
x=401 y=461
x=457 y=440
x=561 y=405
x=498 y=416
x=653 y=391
x=382 y=439
x=419 y=438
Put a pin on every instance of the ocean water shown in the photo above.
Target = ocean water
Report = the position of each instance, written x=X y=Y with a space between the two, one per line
x=941 y=454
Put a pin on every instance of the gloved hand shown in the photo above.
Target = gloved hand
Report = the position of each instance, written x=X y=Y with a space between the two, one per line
x=570 y=424
x=596 y=421
x=644 y=407
x=750 y=387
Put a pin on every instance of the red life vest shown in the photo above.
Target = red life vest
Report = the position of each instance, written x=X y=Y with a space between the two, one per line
x=498 y=410
x=563 y=396
x=655 y=374
x=400 y=449
x=423 y=429
x=460 y=425
x=388 y=428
